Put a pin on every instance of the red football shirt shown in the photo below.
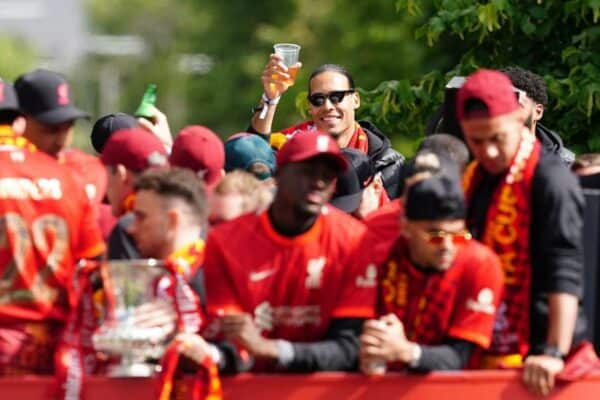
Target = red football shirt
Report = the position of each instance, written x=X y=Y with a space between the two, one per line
x=88 y=170
x=384 y=226
x=458 y=303
x=292 y=286
x=46 y=225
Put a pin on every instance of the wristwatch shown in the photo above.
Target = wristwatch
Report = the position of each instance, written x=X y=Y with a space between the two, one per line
x=552 y=351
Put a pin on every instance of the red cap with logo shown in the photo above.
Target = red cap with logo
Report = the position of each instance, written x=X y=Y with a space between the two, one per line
x=308 y=144
x=198 y=148
x=493 y=88
x=136 y=149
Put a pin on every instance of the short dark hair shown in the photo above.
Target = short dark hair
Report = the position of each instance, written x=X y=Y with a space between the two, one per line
x=446 y=144
x=7 y=117
x=179 y=183
x=531 y=83
x=332 y=68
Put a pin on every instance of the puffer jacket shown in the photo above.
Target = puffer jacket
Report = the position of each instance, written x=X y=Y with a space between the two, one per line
x=385 y=159
x=552 y=141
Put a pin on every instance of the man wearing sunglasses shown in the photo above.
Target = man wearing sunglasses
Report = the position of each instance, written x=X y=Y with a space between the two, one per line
x=439 y=289
x=527 y=206
x=333 y=102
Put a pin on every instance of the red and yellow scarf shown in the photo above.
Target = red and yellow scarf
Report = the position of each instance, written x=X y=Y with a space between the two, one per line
x=506 y=231
x=9 y=138
x=76 y=355
x=411 y=295
x=358 y=141
x=183 y=264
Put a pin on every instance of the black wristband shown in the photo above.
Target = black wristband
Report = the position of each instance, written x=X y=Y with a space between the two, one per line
x=550 y=350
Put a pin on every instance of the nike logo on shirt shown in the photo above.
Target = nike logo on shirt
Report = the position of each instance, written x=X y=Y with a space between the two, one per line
x=259 y=276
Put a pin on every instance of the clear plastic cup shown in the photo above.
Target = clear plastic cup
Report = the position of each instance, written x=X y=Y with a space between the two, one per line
x=290 y=53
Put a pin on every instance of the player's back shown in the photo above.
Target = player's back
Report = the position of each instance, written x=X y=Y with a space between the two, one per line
x=45 y=226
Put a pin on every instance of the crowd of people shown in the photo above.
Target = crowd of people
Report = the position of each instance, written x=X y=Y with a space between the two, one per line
x=325 y=251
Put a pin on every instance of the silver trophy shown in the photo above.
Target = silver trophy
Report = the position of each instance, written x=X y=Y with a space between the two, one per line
x=131 y=284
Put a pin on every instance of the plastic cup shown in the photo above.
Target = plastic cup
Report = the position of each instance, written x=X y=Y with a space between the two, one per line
x=290 y=54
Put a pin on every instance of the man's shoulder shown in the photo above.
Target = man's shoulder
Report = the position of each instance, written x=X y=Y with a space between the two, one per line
x=235 y=229
x=342 y=223
x=551 y=174
x=474 y=255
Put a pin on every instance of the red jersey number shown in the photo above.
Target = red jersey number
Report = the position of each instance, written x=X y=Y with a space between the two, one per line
x=48 y=238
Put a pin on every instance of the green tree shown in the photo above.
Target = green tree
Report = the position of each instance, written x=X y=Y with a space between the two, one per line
x=238 y=35
x=17 y=57
x=556 y=39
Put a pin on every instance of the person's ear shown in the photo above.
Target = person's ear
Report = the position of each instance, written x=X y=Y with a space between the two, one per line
x=19 y=125
x=404 y=227
x=377 y=183
x=174 y=217
x=356 y=100
x=538 y=112
x=127 y=176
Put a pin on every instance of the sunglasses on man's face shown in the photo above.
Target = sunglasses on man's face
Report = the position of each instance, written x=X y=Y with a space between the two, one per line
x=335 y=97
x=436 y=238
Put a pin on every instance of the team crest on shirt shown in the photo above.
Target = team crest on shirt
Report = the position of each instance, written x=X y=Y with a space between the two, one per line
x=484 y=302
x=323 y=143
x=369 y=279
x=314 y=271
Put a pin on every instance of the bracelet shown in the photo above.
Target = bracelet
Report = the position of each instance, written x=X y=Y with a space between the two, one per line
x=270 y=102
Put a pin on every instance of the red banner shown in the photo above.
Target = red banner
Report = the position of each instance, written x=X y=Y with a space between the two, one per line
x=475 y=385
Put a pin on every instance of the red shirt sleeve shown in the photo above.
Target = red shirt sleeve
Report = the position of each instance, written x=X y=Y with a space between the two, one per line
x=89 y=243
x=220 y=291
x=359 y=282
x=478 y=299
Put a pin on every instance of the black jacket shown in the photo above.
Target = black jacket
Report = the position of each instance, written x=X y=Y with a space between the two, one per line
x=385 y=159
x=552 y=141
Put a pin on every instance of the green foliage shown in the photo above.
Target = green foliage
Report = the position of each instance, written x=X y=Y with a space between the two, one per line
x=238 y=35
x=556 y=39
x=17 y=57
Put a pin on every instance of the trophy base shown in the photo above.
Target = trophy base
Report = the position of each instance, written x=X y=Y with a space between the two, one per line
x=137 y=370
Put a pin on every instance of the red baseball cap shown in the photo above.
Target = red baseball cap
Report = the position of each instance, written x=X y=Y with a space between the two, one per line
x=308 y=144
x=135 y=148
x=492 y=88
x=198 y=148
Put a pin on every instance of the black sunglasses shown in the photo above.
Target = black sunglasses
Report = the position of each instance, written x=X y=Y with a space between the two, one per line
x=336 y=96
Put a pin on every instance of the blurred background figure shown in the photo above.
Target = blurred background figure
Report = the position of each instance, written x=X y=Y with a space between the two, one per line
x=46 y=100
x=251 y=153
x=108 y=124
x=200 y=150
x=12 y=121
x=533 y=98
x=128 y=153
x=238 y=193
x=359 y=191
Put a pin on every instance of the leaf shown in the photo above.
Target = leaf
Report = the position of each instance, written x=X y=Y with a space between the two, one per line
x=301 y=102
x=527 y=27
x=404 y=92
x=488 y=17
